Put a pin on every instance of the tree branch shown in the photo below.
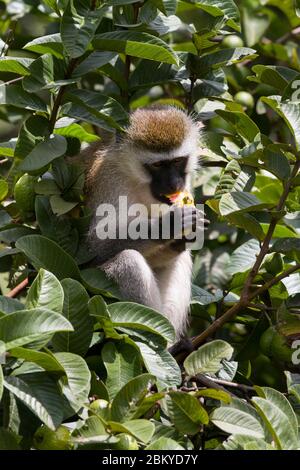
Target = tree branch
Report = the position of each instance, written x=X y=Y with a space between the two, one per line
x=247 y=295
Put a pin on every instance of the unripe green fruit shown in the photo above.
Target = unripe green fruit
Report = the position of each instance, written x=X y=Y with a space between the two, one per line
x=24 y=193
x=101 y=407
x=126 y=442
x=245 y=99
x=232 y=41
x=46 y=439
x=273 y=344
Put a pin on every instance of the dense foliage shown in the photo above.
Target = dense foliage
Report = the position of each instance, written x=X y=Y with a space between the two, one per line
x=81 y=369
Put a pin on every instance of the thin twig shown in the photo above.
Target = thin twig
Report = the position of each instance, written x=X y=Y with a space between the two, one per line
x=16 y=290
x=247 y=295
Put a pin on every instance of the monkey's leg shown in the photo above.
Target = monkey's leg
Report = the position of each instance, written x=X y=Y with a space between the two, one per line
x=175 y=287
x=135 y=278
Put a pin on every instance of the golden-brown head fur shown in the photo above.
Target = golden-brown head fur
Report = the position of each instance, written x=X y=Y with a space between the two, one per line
x=158 y=129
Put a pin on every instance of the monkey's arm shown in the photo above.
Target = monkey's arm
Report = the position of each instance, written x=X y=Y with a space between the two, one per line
x=155 y=239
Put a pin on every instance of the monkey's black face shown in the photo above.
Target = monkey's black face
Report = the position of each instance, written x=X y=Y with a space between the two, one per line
x=168 y=177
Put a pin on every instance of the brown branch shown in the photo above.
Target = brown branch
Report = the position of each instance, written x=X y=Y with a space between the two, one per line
x=16 y=290
x=60 y=94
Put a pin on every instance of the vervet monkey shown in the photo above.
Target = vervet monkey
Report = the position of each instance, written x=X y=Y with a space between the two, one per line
x=157 y=157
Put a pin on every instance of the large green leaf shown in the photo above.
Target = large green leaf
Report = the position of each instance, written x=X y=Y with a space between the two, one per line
x=97 y=282
x=243 y=257
x=40 y=394
x=185 y=412
x=46 y=360
x=16 y=96
x=126 y=401
x=273 y=410
x=96 y=108
x=8 y=441
x=76 y=388
x=159 y=362
x=225 y=57
x=122 y=363
x=19 y=65
x=136 y=44
x=239 y=201
x=25 y=326
x=75 y=309
x=45 y=73
x=45 y=291
x=8 y=305
x=241 y=122
x=50 y=44
x=130 y=314
x=238 y=418
x=207 y=359
x=141 y=429
x=78 y=26
x=44 y=153
x=164 y=443
x=44 y=253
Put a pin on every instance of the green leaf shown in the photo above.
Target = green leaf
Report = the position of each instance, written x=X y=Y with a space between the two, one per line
x=238 y=418
x=19 y=65
x=44 y=153
x=136 y=44
x=227 y=8
x=161 y=363
x=127 y=399
x=8 y=305
x=132 y=315
x=235 y=178
x=8 y=441
x=76 y=131
x=97 y=282
x=167 y=7
x=15 y=95
x=225 y=57
x=277 y=163
x=241 y=122
x=45 y=292
x=50 y=44
x=44 y=253
x=45 y=72
x=220 y=395
x=140 y=429
x=185 y=412
x=94 y=61
x=122 y=363
x=240 y=201
x=275 y=76
x=40 y=394
x=243 y=257
x=78 y=26
x=46 y=360
x=3 y=189
x=278 y=399
x=277 y=422
x=77 y=387
x=164 y=443
x=85 y=105
x=1 y=385
x=290 y=112
x=24 y=326
x=207 y=359
x=75 y=310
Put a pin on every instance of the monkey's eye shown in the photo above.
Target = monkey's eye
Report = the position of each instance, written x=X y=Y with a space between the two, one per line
x=157 y=165
x=179 y=161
